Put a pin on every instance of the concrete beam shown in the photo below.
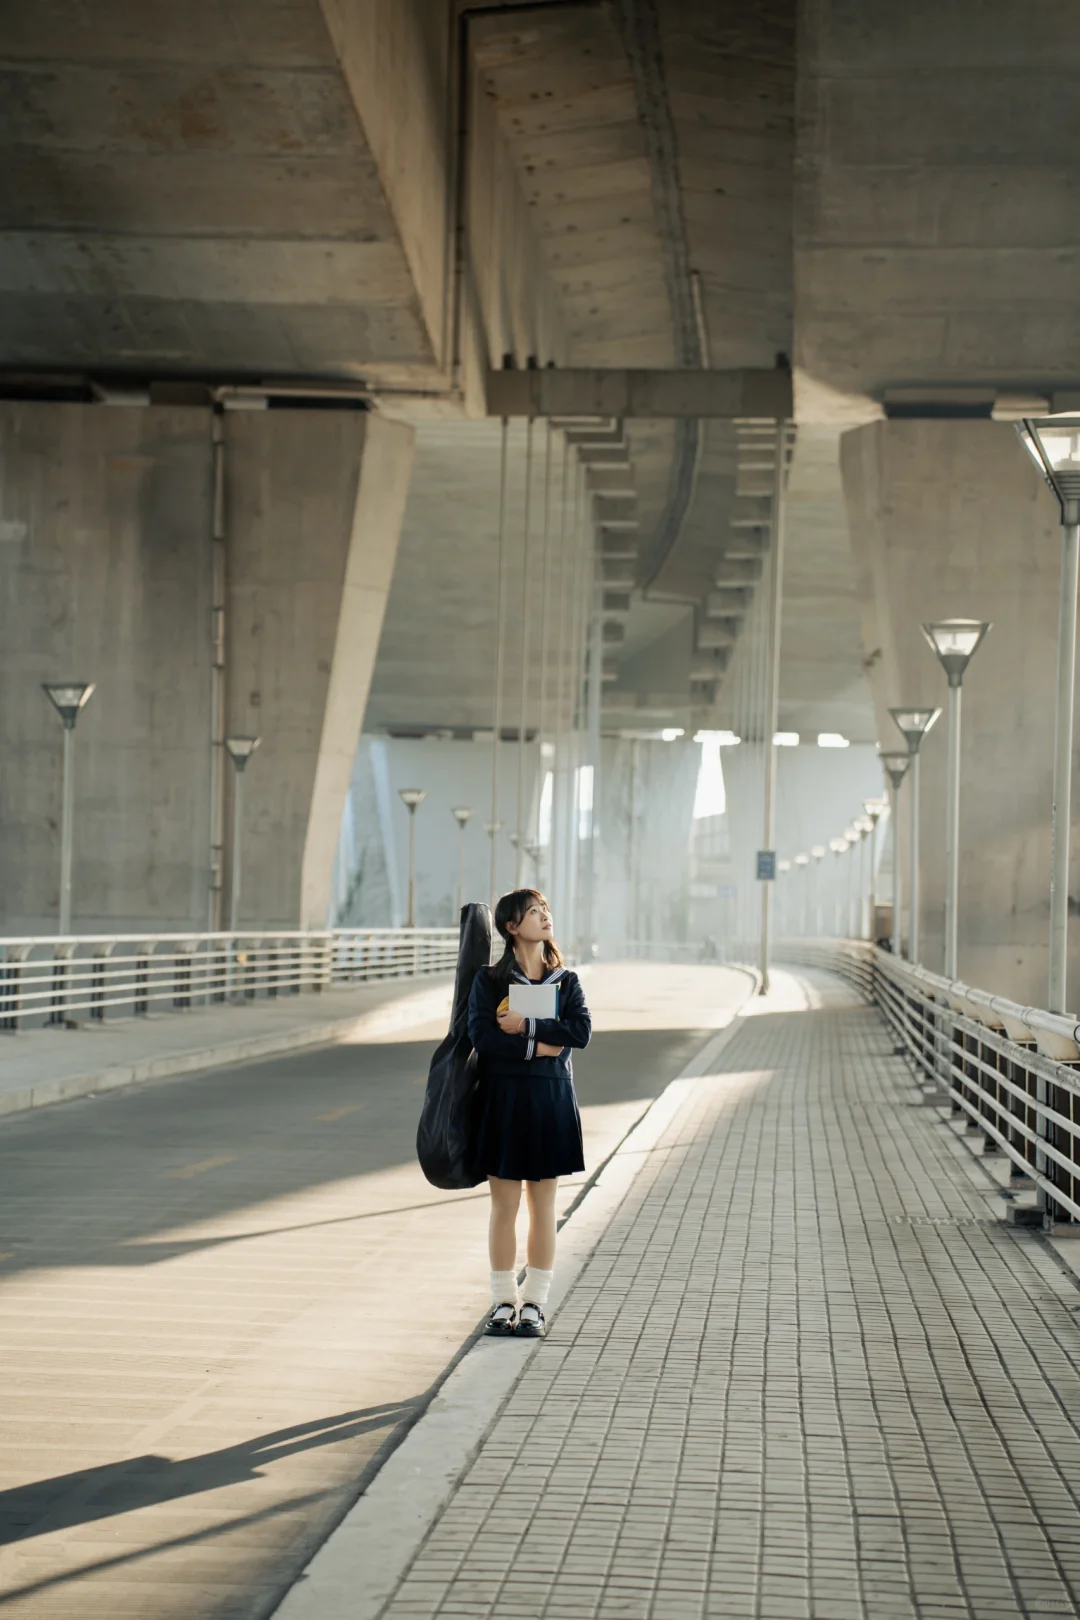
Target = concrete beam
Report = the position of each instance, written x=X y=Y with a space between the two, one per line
x=728 y=395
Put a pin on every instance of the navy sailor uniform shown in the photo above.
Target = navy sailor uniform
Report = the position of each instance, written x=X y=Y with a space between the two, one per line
x=529 y=1126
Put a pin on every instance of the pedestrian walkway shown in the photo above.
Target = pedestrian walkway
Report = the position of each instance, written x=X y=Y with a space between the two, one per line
x=807 y=1373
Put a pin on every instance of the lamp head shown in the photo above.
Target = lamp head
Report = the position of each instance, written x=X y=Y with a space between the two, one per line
x=783 y=866
x=802 y=860
x=240 y=749
x=411 y=797
x=1053 y=442
x=462 y=813
x=818 y=852
x=839 y=846
x=493 y=827
x=895 y=767
x=955 y=642
x=914 y=723
x=875 y=809
x=67 y=698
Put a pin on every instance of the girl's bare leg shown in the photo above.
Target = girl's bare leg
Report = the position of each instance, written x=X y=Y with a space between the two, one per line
x=502 y=1226
x=540 y=1196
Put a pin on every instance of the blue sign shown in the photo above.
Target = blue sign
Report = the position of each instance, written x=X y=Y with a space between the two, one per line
x=766 y=865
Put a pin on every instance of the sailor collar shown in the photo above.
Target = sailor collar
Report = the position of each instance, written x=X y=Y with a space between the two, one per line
x=549 y=978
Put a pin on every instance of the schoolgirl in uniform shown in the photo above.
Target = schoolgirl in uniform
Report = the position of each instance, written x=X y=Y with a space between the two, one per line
x=529 y=1125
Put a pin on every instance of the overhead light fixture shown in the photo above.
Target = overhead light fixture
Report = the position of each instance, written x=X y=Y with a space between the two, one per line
x=914 y=724
x=786 y=739
x=832 y=739
x=1053 y=442
x=955 y=641
x=671 y=733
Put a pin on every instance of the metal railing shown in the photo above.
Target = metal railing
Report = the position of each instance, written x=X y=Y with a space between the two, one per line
x=72 y=979
x=1014 y=1071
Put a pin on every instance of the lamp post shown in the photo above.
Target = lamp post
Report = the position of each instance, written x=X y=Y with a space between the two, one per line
x=818 y=852
x=462 y=815
x=864 y=827
x=955 y=642
x=1054 y=443
x=783 y=871
x=914 y=724
x=239 y=750
x=839 y=846
x=875 y=809
x=802 y=862
x=410 y=798
x=896 y=768
x=67 y=698
x=493 y=829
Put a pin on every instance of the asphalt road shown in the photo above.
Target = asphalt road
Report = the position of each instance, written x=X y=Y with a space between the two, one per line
x=220 y=1297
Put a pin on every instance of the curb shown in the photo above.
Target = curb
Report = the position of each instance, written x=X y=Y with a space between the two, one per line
x=357 y=1570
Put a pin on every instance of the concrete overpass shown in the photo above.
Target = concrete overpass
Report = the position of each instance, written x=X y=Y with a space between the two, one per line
x=270 y=279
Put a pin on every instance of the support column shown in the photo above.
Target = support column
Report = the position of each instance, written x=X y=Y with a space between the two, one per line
x=316 y=501
x=948 y=518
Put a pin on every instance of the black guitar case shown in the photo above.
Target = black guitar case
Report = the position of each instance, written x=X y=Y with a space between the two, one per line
x=447 y=1129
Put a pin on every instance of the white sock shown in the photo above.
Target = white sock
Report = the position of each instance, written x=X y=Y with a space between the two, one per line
x=504 y=1288
x=537 y=1286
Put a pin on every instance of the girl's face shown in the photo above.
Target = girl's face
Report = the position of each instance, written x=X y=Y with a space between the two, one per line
x=535 y=926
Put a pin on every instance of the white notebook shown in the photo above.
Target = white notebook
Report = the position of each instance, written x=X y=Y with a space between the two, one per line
x=535 y=1000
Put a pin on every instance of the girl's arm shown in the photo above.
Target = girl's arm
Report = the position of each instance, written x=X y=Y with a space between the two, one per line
x=573 y=1027
x=484 y=1032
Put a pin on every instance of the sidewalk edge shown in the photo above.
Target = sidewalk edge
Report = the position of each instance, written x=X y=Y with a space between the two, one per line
x=357 y=1570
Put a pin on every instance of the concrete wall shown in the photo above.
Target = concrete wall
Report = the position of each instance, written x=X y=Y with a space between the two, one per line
x=105 y=523
x=949 y=519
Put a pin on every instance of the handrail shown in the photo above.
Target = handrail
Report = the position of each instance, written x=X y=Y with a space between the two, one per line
x=59 y=979
x=1013 y=1071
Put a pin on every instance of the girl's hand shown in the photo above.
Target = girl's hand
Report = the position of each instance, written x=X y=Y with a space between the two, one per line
x=544 y=1050
x=511 y=1023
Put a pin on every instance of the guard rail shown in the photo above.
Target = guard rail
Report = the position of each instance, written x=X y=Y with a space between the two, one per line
x=1013 y=1070
x=71 y=979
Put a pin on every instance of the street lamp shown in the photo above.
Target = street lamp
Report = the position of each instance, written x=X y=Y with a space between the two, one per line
x=462 y=815
x=782 y=869
x=875 y=809
x=955 y=642
x=239 y=750
x=851 y=838
x=864 y=827
x=493 y=829
x=411 y=797
x=1054 y=444
x=896 y=767
x=67 y=698
x=802 y=862
x=914 y=724
x=818 y=852
x=839 y=846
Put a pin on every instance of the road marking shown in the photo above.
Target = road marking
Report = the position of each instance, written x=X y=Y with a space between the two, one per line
x=188 y=1170
x=338 y=1113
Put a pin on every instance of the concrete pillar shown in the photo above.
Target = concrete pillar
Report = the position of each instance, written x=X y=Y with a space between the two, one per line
x=105 y=525
x=104 y=534
x=315 y=501
x=947 y=518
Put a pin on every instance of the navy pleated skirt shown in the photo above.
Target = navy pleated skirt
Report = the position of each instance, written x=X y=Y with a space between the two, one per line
x=529 y=1128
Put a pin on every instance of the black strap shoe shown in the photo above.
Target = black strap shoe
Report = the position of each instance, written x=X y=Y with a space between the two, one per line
x=500 y=1324
x=531 y=1322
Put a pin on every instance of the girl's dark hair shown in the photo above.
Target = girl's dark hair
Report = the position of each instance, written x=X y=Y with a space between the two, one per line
x=511 y=909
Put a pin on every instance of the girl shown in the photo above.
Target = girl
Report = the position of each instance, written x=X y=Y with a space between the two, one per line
x=529 y=1126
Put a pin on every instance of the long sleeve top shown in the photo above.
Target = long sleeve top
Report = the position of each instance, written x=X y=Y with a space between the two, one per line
x=515 y=1055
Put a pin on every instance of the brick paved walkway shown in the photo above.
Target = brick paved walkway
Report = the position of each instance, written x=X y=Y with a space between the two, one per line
x=806 y=1374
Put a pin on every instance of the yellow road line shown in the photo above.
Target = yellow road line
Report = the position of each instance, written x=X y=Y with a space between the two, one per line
x=199 y=1168
x=338 y=1113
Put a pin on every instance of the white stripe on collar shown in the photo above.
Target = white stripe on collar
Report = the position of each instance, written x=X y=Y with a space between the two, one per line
x=549 y=978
